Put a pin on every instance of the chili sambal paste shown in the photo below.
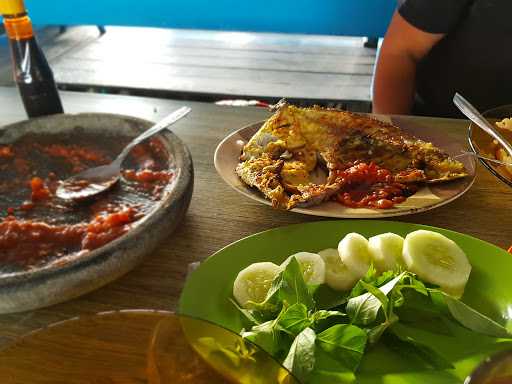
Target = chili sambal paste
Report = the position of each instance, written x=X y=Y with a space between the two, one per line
x=36 y=227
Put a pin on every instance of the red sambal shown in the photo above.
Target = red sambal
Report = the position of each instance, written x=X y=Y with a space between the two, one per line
x=370 y=186
x=36 y=227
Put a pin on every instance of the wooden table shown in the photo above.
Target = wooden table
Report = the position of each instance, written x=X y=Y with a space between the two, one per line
x=218 y=215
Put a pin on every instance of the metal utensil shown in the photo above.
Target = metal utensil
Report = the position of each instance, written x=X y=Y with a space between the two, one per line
x=96 y=180
x=490 y=159
x=472 y=113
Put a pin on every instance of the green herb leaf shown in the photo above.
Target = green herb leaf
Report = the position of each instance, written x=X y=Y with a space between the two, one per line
x=363 y=309
x=410 y=281
x=408 y=346
x=375 y=333
x=301 y=357
x=248 y=314
x=370 y=278
x=289 y=287
x=327 y=298
x=266 y=336
x=295 y=319
x=323 y=314
x=474 y=320
x=418 y=311
x=345 y=343
x=384 y=301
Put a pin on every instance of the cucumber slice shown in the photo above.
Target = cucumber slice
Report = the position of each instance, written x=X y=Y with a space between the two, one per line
x=312 y=266
x=437 y=260
x=386 y=251
x=354 y=253
x=337 y=275
x=253 y=282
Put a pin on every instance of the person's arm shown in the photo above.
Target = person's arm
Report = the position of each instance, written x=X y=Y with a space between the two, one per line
x=394 y=83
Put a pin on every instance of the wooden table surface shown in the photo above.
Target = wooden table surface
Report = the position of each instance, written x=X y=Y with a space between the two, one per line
x=218 y=215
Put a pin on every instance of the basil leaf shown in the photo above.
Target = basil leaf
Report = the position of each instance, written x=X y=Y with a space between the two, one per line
x=370 y=278
x=323 y=314
x=327 y=298
x=289 y=287
x=345 y=343
x=301 y=357
x=266 y=336
x=248 y=314
x=474 y=320
x=419 y=312
x=410 y=281
x=295 y=319
x=407 y=346
x=384 y=301
x=375 y=333
x=425 y=321
x=363 y=309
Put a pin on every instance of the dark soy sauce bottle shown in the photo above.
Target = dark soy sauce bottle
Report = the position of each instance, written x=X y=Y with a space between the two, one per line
x=32 y=73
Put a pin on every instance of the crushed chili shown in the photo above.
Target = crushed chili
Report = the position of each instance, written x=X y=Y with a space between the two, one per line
x=36 y=227
x=370 y=186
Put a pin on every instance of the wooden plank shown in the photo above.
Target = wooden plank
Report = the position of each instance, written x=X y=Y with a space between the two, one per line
x=212 y=80
x=277 y=42
x=223 y=58
x=55 y=44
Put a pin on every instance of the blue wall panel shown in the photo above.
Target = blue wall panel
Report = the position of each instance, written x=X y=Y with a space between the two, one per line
x=334 y=17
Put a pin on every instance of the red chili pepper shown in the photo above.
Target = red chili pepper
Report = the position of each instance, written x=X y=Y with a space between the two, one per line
x=509 y=250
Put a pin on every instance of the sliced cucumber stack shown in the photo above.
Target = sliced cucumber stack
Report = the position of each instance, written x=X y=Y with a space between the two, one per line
x=337 y=275
x=311 y=265
x=355 y=254
x=437 y=260
x=386 y=251
x=253 y=283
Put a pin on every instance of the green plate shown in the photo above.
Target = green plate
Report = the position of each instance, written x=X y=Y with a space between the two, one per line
x=208 y=290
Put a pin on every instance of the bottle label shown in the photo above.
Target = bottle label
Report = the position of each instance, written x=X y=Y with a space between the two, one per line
x=12 y=7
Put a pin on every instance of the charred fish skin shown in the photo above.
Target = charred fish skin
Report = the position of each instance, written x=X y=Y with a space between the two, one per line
x=278 y=157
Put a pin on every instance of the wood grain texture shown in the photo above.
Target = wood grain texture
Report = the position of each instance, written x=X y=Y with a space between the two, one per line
x=218 y=215
x=233 y=64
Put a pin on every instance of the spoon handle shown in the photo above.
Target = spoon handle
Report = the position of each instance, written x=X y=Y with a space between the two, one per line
x=161 y=125
x=490 y=159
x=472 y=113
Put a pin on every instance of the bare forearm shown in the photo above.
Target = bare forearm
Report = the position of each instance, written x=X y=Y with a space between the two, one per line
x=394 y=84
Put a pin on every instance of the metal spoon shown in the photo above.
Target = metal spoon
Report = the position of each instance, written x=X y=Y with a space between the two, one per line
x=472 y=113
x=490 y=159
x=96 y=180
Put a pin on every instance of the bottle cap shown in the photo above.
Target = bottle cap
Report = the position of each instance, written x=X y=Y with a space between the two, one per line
x=12 y=7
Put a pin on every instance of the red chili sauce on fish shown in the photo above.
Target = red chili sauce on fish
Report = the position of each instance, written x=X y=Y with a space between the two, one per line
x=36 y=227
x=370 y=186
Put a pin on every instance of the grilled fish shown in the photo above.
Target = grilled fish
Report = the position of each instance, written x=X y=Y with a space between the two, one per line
x=280 y=158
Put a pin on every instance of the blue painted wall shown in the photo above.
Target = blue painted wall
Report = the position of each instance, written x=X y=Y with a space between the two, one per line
x=333 y=17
